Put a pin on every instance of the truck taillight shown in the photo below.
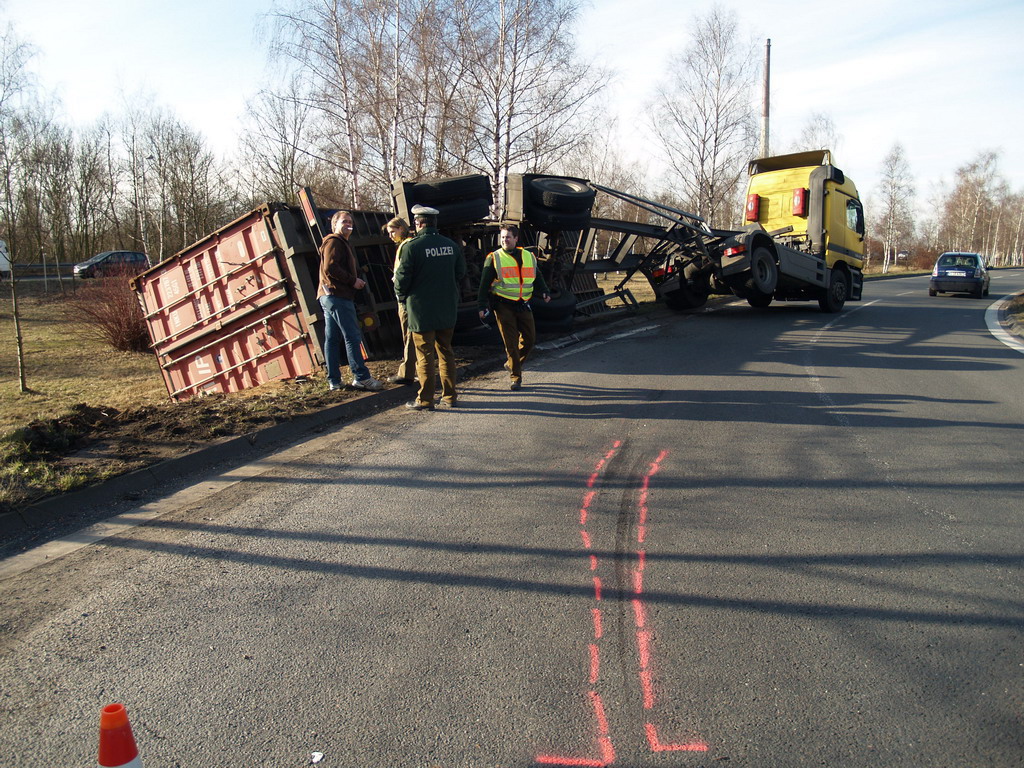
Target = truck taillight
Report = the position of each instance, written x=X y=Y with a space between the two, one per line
x=753 y=207
x=661 y=272
x=800 y=201
x=734 y=250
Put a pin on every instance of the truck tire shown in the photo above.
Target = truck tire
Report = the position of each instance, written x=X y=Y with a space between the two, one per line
x=764 y=272
x=462 y=211
x=471 y=187
x=759 y=300
x=562 y=195
x=685 y=298
x=556 y=312
x=837 y=292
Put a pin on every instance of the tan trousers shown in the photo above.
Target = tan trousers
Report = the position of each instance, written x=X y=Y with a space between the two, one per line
x=519 y=335
x=434 y=351
x=407 y=368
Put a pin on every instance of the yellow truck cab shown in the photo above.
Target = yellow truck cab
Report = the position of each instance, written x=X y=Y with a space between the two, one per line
x=803 y=235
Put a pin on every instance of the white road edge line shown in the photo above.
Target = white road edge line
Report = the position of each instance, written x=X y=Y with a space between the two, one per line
x=996 y=328
x=615 y=337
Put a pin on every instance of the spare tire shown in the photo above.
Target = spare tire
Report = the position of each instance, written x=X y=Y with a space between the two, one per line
x=462 y=211
x=470 y=187
x=562 y=194
x=554 y=311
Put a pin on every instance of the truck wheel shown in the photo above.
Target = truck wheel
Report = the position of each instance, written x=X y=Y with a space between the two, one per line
x=563 y=195
x=462 y=211
x=836 y=293
x=764 y=272
x=685 y=298
x=558 y=312
x=470 y=187
x=759 y=300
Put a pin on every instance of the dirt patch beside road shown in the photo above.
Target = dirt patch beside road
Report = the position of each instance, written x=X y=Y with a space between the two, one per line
x=91 y=443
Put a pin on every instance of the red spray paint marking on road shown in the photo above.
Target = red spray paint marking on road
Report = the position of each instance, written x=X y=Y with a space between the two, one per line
x=647 y=688
x=595 y=663
x=603 y=739
x=644 y=638
x=644 y=641
x=639 y=613
x=657 y=746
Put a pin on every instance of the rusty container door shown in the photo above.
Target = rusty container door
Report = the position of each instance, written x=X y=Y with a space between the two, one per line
x=231 y=312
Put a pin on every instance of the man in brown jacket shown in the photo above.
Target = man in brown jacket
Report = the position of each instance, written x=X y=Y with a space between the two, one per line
x=339 y=281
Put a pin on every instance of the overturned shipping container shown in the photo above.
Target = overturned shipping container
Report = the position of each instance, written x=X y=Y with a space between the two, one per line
x=239 y=307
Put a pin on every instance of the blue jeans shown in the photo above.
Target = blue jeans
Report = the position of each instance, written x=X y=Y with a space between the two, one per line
x=341 y=323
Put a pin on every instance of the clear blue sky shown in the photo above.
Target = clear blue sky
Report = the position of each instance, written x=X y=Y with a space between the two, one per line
x=943 y=78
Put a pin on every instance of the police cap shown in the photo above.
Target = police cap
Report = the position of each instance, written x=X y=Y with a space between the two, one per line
x=423 y=210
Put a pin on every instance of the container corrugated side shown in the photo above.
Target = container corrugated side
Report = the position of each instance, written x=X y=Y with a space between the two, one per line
x=223 y=315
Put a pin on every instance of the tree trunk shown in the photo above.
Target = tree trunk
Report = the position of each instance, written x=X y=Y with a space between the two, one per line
x=19 y=340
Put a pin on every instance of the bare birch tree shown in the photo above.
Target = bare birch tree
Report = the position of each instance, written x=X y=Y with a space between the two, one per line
x=704 y=115
x=413 y=88
x=967 y=213
x=526 y=94
x=322 y=40
x=819 y=132
x=276 y=144
x=895 y=223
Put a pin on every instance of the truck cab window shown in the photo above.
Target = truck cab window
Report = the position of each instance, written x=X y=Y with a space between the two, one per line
x=855 y=216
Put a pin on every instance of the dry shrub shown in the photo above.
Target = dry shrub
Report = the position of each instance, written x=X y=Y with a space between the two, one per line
x=109 y=310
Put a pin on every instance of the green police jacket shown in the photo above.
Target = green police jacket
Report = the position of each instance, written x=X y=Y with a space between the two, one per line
x=428 y=280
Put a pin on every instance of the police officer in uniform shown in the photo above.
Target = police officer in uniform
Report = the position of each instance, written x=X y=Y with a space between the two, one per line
x=430 y=270
x=507 y=283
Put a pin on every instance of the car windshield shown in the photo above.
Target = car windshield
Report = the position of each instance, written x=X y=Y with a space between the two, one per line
x=97 y=257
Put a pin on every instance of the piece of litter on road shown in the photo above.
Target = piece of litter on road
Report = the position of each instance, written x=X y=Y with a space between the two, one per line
x=316 y=757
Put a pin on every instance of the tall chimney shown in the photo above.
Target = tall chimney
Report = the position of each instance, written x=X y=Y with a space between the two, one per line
x=765 y=99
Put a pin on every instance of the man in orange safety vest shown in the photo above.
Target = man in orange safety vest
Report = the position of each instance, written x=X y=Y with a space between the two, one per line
x=507 y=283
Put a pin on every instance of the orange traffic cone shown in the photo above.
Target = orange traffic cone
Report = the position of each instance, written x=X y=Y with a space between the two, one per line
x=117 y=745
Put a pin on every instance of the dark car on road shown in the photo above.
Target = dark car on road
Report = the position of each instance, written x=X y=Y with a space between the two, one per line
x=957 y=272
x=112 y=263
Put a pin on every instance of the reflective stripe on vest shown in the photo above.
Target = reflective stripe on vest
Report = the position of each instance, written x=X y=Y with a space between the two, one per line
x=513 y=282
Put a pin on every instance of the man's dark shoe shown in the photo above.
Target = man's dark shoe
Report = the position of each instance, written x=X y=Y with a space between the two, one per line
x=396 y=379
x=448 y=404
x=516 y=385
x=416 y=405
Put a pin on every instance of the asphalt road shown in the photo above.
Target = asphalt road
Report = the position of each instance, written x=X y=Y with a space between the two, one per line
x=759 y=538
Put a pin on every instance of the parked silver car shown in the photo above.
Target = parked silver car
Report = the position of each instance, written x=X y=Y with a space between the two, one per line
x=112 y=263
